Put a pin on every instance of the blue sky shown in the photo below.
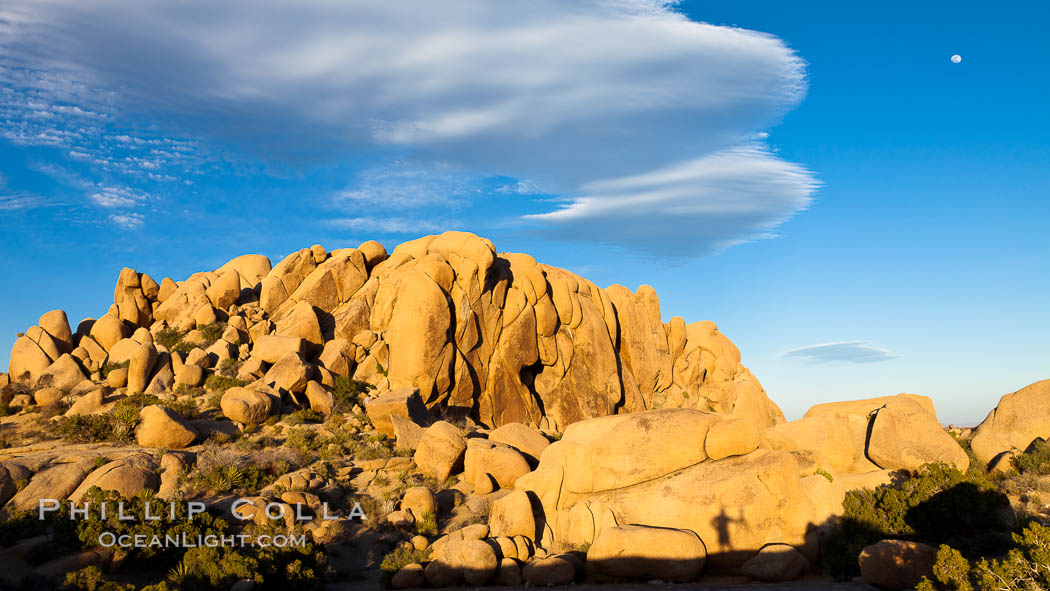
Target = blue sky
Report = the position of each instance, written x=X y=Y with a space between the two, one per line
x=860 y=215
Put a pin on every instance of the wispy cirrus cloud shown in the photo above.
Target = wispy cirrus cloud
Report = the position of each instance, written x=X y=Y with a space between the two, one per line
x=844 y=351
x=575 y=97
x=13 y=201
x=128 y=221
x=109 y=161
x=111 y=197
x=404 y=185
x=392 y=225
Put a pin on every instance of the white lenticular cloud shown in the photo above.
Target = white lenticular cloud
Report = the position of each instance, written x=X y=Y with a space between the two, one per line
x=576 y=97
x=845 y=351
x=686 y=209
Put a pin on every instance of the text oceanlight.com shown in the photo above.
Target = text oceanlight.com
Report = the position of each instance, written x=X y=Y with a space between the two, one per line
x=109 y=539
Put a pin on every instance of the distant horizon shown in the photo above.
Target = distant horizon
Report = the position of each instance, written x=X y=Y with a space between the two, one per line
x=858 y=211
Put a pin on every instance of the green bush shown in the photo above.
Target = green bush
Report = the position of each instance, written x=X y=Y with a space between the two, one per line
x=1035 y=459
x=220 y=383
x=937 y=505
x=1025 y=568
x=168 y=337
x=210 y=333
x=224 y=479
x=92 y=579
x=185 y=407
x=348 y=392
x=301 y=416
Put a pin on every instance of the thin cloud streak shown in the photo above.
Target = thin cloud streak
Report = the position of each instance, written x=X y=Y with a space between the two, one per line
x=844 y=351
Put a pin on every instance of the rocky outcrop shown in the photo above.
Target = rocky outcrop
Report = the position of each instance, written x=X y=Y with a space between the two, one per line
x=1018 y=420
x=889 y=432
x=595 y=478
x=905 y=436
x=128 y=477
x=55 y=482
x=495 y=336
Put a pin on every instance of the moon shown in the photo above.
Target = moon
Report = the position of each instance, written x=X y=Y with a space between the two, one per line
x=956 y=58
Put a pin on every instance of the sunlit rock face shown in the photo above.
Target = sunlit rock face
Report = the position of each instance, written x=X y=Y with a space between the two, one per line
x=494 y=336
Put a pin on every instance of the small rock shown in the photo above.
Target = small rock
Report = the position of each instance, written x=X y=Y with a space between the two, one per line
x=554 y=570
x=419 y=501
x=48 y=396
x=775 y=563
x=512 y=516
x=408 y=577
x=440 y=451
x=160 y=427
x=896 y=564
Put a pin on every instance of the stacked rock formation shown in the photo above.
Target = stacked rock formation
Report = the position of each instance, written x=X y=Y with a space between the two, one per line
x=1019 y=420
x=495 y=336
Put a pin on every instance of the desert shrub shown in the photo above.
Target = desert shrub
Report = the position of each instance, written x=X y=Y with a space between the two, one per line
x=214 y=401
x=401 y=557
x=210 y=333
x=190 y=391
x=109 y=367
x=185 y=407
x=1035 y=459
x=348 y=392
x=168 y=337
x=951 y=571
x=1026 y=567
x=305 y=441
x=825 y=474
x=426 y=525
x=184 y=347
x=939 y=504
x=221 y=470
x=5 y=410
x=118 y=425
x=305 y=415
x=220 y=383
x=92 y=579
x=374 y=450
x=224 y=479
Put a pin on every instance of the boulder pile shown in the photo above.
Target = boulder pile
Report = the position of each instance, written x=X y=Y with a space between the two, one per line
x=494 y=336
